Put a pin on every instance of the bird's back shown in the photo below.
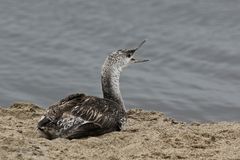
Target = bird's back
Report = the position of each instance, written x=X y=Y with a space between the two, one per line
x=78 y=116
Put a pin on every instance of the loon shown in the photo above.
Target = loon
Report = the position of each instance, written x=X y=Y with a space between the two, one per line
x=79 y=115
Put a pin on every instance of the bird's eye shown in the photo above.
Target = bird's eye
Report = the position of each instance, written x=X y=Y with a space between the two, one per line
x=128 y=55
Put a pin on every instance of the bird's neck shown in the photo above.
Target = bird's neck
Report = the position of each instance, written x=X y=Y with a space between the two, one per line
x=110 y=85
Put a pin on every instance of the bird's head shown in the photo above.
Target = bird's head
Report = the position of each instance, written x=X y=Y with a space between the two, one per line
x=122 y=58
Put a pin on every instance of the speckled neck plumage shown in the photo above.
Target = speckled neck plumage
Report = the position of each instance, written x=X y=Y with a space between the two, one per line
x=110 y=83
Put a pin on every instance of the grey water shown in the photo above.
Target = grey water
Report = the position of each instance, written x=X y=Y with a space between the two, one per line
x=49 y=49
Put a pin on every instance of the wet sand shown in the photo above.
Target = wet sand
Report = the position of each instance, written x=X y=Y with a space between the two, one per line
x=147 y=135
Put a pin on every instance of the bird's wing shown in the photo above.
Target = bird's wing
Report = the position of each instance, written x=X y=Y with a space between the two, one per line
x=92 y=117
x=102 y=111
x=79 y=116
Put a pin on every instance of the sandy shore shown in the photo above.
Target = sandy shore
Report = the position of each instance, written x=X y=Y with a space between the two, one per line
x=147 y=135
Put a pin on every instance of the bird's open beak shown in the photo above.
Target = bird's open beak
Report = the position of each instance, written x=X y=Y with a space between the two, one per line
x=132 y=51
x=133 y=60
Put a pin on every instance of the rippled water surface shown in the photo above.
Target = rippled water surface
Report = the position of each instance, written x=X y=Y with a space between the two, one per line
x=49 y=49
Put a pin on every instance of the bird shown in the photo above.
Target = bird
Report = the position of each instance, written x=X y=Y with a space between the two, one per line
x=79 y=115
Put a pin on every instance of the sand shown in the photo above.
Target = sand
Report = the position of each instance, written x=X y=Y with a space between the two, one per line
x=147 y=135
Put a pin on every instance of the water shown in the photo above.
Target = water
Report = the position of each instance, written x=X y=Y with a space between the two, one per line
x=50 y=49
